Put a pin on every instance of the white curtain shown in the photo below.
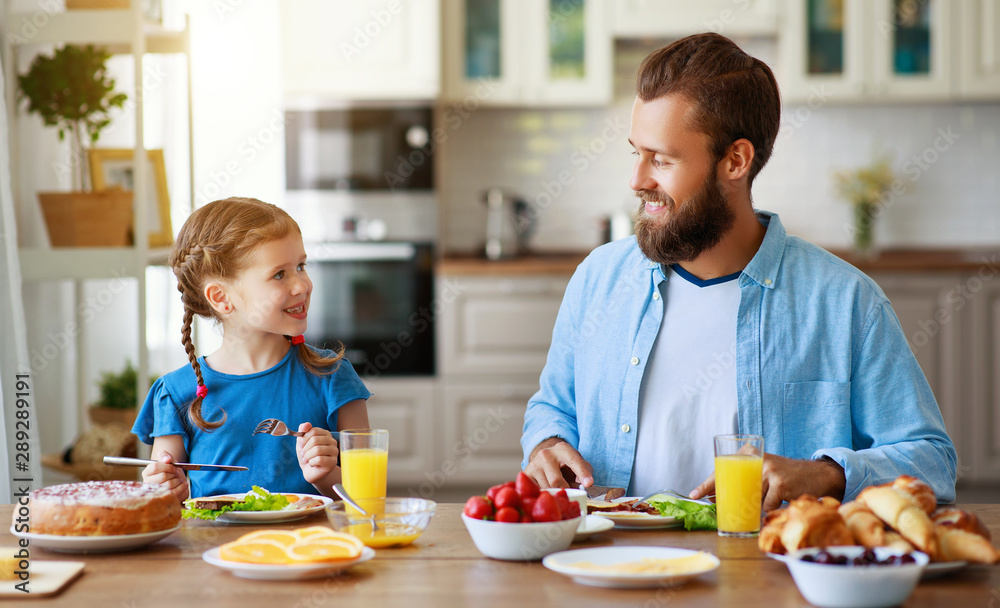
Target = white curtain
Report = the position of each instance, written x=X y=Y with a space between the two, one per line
x=20 y=450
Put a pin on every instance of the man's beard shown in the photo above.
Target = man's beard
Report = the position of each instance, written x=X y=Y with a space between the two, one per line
x=683 y=232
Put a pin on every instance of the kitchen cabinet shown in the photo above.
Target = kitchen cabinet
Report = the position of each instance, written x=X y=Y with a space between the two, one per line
x=863 y=50
x=360 y=50
x=979 y=64
x=952 y=323
x=405 y=407
x=678 y=18
x=494 y=338
x=527 y=52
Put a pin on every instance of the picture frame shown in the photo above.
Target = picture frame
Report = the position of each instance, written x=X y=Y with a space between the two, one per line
x=111 y=168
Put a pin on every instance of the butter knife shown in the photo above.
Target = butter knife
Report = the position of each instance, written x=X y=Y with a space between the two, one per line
x=604 y=493
x=187 y=466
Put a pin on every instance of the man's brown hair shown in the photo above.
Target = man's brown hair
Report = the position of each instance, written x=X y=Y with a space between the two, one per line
x=736 y=95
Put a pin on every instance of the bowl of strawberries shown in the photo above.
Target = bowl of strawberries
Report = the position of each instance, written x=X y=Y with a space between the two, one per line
x=517 y=521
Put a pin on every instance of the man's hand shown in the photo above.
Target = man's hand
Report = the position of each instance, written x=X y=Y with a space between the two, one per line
x=550 y=458
x=786 y=479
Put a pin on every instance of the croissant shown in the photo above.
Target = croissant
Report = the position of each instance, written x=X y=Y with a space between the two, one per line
x=769 y=540
x=922 y=493
x=962 y=536
x=903 y=512
x=867 y=529
x=812 y=523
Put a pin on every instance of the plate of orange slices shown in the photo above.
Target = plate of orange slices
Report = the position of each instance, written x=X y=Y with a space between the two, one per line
x=299 y=554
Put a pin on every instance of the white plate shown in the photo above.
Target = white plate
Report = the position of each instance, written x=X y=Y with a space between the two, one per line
x=563 y=563
x=93 y=544
x=936 y=569
x=591 y=525
x=637 y=521
x=283 y=572
x=270 y=517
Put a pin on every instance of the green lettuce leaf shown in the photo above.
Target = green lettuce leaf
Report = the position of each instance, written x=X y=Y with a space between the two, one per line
x=695 y=516
x=257 y=500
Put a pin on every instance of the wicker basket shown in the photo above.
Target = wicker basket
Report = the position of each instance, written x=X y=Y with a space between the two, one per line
x=88 y=219
x=75 y=4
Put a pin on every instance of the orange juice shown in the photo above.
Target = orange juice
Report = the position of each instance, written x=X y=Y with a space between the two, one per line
x=364 y=472
x=738 y=493
x=390 y=534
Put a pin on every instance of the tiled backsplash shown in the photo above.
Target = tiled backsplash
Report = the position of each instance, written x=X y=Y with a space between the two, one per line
x=573 y=165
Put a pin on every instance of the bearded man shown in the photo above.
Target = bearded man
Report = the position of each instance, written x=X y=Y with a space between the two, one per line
x=712 y=320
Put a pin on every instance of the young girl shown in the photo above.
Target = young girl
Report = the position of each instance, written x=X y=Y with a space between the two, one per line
x=241 y=262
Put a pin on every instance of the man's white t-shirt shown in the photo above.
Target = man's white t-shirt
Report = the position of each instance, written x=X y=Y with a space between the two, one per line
x=688 y=391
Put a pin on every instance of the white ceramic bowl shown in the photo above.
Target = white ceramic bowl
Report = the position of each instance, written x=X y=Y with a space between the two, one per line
x=521 y=542
x=834 y=586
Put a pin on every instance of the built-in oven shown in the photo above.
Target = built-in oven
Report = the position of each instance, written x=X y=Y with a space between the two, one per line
x=375 y=298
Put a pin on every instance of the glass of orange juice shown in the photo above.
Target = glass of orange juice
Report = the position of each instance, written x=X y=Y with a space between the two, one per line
x=364 y=459
x=739 y=461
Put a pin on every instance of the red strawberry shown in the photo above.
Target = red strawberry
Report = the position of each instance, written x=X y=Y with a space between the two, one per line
x=508 y=515
x=563 y=501
x=478 y=507
x=492 y=492
x=507 y=497
x=527 y=504
x=546 y=508
x=526 y=518
x=574 y=510
x=526 y=486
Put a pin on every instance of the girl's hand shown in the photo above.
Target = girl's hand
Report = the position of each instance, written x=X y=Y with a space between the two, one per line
x=167 y=475
x=317 y=452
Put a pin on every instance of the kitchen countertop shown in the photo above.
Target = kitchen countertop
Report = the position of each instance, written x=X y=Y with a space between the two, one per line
x=891 y=260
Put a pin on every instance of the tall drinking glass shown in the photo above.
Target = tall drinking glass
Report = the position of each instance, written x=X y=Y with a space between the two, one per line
x=739 y=461
x=364 y=459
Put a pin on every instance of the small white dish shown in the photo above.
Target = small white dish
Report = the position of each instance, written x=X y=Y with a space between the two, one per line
x=93 y=544
x=566 y=563
x=843 y=586
x=521 y=542
x=271 y=517
x=285 y=572
x=591 y=525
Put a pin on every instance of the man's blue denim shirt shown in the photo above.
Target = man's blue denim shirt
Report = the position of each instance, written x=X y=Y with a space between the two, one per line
x=822 y=367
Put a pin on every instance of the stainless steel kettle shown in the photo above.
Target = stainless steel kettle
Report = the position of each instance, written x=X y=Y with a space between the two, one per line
x=510 y=222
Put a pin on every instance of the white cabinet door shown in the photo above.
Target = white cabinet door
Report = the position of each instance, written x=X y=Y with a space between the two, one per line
x=678 y=18
x=822 y=50
x=482 y=431
x=979 y=60
x=361 y=50
x=527 y=52
x=912 y=49
x=984 y=423
x=405 y=408
x=499 y=325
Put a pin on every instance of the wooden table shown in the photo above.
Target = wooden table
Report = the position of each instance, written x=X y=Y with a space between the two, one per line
x=443 y=569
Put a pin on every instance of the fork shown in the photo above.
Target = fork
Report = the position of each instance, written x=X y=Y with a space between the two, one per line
x=273 y=426
x=674 y=493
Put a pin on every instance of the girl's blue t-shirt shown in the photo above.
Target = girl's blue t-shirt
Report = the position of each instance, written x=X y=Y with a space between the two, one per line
x=288 y=391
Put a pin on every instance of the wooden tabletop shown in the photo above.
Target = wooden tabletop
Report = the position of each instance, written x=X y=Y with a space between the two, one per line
x=443 y=569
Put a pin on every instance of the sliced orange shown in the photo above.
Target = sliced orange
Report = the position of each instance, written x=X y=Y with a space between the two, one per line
x=254 y=552
x=314 y=531
x=322 y=550
x=282 y=537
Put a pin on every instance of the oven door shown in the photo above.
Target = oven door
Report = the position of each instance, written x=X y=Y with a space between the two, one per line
x=375 y=299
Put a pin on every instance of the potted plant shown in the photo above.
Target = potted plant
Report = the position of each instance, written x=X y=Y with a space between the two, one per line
x=869 y=190
x=118 y=404
x=72 y=91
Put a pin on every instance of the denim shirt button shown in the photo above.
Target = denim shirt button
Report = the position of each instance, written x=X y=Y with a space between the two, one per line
x=656 y=296
x=635 y=360
x=767 y=281
x=626 y=428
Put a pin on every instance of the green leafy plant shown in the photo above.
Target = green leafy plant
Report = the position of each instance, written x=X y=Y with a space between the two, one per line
x=867 y=189
x=118 y=388
x=72 y=91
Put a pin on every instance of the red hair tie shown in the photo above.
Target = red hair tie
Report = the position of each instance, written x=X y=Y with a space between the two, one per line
x=298 y=340
x=202 y=391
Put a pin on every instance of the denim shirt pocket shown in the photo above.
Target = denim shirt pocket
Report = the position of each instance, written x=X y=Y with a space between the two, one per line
x=816 y=415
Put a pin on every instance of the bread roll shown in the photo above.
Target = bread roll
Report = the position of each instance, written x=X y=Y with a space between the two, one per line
x=962 y=536
x=867 y=529
x=904 y=513
x=961 y=520
x=894 y=540
x=769 y=540
x=812 y=523
x=922 y=493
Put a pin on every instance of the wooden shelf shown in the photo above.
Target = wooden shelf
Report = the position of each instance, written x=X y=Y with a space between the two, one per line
x=65 y=263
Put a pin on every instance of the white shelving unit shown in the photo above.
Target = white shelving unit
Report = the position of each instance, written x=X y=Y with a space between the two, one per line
x=124 y=31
